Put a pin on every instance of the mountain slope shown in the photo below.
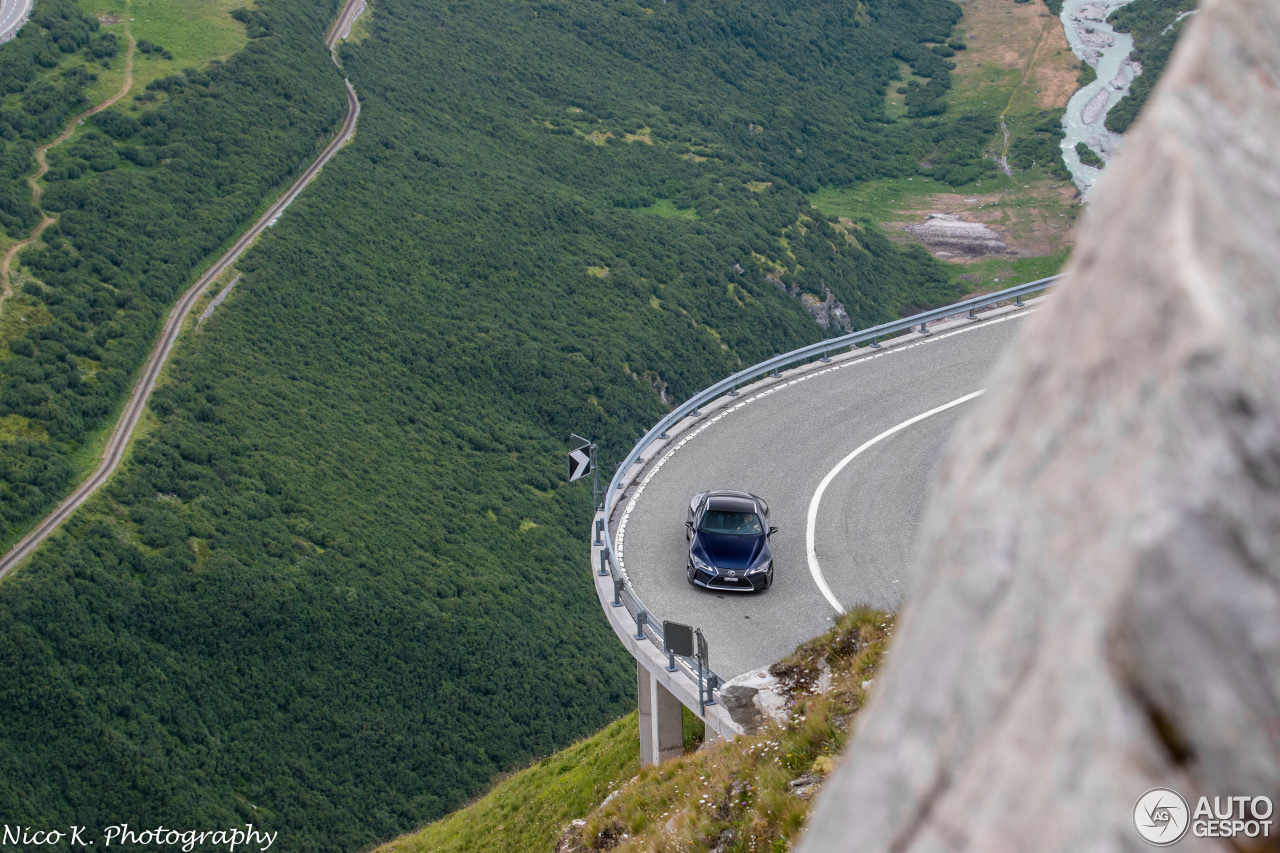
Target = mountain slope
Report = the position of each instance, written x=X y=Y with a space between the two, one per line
x=751 y=794
x=339 y=584
x=145 y=194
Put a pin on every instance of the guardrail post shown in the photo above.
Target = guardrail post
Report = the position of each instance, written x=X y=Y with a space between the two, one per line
x=733 y=392
x=713 y=681
x=617 y=592
x=826 y=357
x=671 y=662
x=702 y=705
x=875 y=345
x=599 y=541
x=604 y=563
x=924 y=328
x=973 y=313
x=1019 y=302
x=641 y=618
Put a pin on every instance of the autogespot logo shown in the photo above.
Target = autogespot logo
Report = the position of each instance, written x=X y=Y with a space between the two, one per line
x=1161 y=817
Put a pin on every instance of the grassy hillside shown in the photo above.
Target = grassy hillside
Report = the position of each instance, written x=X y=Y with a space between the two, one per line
x=180 y=33
x=1014 y=71
x=339 y=584
x=144 y=197
x=749 y=795
x=530 y=808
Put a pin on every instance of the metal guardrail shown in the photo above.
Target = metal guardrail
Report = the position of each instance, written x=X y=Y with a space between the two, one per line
x=624 y=596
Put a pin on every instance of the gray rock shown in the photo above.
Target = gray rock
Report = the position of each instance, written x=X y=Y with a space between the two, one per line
x=826 y=312
x=752 y=698
x=1093 y=38
x=950 y=233
x=1096 y=107
x=1096 y=604
x=805 y=786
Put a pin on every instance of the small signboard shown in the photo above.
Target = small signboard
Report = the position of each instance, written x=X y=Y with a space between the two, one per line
x=677 y=639
x=581 y=462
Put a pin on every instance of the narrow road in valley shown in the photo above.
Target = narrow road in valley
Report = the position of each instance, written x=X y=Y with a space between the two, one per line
x=42 y=166
x=342 y=26
x=120 y=435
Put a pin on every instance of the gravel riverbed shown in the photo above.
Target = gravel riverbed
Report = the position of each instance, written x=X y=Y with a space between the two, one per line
x=1095 y=42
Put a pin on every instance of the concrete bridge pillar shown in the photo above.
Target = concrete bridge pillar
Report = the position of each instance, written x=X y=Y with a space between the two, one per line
x=661 y=720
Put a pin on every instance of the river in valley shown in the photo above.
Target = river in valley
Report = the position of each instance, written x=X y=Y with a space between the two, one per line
x=1094 y=41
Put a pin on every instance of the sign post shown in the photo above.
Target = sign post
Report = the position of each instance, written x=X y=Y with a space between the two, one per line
x=688 y=642
x=582 y=461
x=677 y=639
x=704 y=663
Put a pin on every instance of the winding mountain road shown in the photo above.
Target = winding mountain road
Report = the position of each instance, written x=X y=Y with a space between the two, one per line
x=342 y=26
x=120 y=435
x=844 y=456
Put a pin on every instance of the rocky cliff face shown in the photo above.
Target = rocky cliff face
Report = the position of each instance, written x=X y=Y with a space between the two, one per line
x=1096 y=606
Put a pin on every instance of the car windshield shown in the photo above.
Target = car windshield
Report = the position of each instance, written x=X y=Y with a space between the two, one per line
x=732 y=523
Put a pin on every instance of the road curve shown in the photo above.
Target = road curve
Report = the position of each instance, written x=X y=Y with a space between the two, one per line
x=137 y=403
x=782 y=442
x=13 y=14
x=342 y=26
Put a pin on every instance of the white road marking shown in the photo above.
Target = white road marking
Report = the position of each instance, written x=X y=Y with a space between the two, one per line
x=14 y=16
x=812 y=522
x=619 y=542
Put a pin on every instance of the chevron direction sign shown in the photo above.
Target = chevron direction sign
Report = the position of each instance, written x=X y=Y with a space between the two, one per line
x=581 y=458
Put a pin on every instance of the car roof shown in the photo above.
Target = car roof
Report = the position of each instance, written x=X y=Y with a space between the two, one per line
x=727 y=501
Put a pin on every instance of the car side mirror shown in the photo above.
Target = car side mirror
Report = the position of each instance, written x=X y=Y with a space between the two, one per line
x=689 y=524
x=772 y=530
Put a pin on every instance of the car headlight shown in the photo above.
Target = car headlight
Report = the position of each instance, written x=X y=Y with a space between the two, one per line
x=758 y=569
x=701 y=564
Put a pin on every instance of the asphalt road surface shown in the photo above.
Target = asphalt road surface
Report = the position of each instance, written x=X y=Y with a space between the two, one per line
x=13 y=14
x=782 y=444
x=342 y=25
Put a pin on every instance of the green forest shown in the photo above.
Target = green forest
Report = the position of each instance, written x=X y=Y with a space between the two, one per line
x=142 y=203
x=340 y=583
x=1155 y=26
x=37 y=101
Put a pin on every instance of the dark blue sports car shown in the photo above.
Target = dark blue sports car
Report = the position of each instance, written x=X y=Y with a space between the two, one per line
x=729 y=542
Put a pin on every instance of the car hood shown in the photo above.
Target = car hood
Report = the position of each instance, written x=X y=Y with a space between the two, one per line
x=731 y=552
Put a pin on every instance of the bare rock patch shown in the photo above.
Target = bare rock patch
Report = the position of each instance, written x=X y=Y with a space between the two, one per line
x=947 y=232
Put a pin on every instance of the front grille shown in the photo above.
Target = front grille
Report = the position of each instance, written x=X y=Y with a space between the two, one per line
x=741 y=582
